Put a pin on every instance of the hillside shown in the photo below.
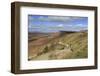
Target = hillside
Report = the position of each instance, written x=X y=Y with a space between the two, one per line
x=62 y=45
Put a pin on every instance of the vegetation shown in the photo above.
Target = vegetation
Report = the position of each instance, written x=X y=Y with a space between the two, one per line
x=67 y=46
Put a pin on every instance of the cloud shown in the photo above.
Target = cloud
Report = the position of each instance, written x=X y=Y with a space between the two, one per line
x=59 y=18
x=42 y=18
x=31 y=18
x=66 y=23
x=60 y=25
x=54 y=18
x=79 y=25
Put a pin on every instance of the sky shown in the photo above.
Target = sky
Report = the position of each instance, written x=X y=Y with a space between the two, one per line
x=48 y=23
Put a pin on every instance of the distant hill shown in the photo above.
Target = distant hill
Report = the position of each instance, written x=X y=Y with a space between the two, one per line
x=38 y=35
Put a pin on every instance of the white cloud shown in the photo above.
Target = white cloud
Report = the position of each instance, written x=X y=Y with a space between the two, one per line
x=79 y=25
x=60 y=25
x=59 y=18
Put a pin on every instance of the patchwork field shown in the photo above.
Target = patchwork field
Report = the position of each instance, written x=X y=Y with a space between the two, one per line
x=58 y=45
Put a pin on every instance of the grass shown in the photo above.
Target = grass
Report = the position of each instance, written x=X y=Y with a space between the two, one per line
x=74 y=45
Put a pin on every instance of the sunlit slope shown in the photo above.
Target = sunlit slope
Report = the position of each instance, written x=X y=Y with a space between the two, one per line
x=78 y=44
x=66 y=46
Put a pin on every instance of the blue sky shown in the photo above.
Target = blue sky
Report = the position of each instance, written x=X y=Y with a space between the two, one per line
x=47 y=23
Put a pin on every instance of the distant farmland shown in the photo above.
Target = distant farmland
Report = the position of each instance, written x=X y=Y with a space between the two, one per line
x=58 y=45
